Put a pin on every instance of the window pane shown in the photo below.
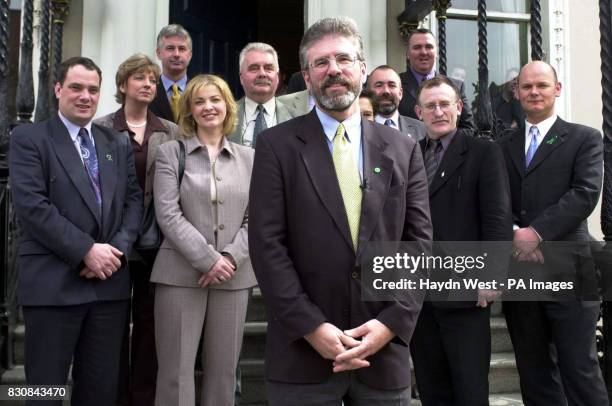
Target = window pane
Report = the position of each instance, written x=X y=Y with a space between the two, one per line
x=507 y=52
x=508 y=6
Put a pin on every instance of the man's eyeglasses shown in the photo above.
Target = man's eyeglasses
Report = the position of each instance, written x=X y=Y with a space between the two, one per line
x=343 y=61
x=444 y=106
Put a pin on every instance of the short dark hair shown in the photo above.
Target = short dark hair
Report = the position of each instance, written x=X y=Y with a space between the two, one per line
x=437 y=81
x=420 y=31
x=74 y=61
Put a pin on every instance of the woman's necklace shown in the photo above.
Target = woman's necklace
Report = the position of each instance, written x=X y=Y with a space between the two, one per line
x=136 y=125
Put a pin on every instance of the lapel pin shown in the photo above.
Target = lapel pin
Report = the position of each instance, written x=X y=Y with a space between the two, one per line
x=377 y=170
x=442 y=175
x=109 y=157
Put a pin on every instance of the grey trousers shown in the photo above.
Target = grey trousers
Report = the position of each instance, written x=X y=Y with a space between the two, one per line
x=342 y=388
x=182 y=317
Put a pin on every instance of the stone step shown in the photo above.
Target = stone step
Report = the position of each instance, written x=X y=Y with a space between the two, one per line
x=503 y=376
x=500 y=339
x=256 y=310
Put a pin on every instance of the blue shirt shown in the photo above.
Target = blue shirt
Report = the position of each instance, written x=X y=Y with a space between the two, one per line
x=352 y=126
x=181 y=83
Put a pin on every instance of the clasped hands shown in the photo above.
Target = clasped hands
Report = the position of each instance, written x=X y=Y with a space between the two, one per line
x=526 y=246
x=221 y=271
x=350 y=348
x=101 y=261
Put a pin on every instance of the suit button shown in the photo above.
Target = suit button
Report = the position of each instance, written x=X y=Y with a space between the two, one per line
x=219 y=178
x=221 y=227
x=52 y=179
x=220 y=201
x=355 y=275
x=63 y=212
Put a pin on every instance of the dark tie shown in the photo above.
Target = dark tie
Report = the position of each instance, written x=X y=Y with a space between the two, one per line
x=431 y=162
x=389 y=122
x=260 y=123
x=90 y=160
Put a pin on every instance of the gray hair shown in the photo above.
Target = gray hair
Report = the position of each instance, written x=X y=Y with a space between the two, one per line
x=257 y=46
x=173 y=30
x=330 y=26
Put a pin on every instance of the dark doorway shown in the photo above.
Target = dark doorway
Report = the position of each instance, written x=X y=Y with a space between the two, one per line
x=220 y=29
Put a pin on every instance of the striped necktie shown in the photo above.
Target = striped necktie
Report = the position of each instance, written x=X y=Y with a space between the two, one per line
x=347 y=173
x=260 y=123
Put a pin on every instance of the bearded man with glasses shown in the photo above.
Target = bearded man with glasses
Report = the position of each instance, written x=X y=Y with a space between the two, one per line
x=323 y=186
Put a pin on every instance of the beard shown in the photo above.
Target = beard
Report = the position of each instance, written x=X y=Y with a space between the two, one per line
x=337 y=102
x=386 y=109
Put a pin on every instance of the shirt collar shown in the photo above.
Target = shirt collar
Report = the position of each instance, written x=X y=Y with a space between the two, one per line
x=250 y=107
x=446 y=140
x=72 y=128
x=193 y=143
x=154 y=124
x=544 y=126
x=352 y=125
x=419 y=76
x=181 y=83
x=395 y=117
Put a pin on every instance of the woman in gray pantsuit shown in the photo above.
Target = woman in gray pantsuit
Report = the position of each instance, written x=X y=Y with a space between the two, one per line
x=202 y=272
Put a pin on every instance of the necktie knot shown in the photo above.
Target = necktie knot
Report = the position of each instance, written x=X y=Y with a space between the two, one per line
x=339 y=133
x=389 y=122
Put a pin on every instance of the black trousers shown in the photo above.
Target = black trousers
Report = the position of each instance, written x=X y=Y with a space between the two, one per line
x=451 y=351
x=88 y=335
x=554 y=344
x=138 y=365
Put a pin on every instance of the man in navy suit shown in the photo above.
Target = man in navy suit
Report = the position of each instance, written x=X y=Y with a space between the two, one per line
x=174 y=52
x=77 y=198
x=555 y=173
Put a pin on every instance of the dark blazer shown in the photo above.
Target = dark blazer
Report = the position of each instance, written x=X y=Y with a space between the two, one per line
x=413 y=127
x=560 y=189
x=410 y=88
x=469 y=197
x=302 y=252
x=59 y=217
x=160 y=106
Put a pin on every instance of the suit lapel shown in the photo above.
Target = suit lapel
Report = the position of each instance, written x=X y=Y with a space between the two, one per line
x=161 y=100
x=107 y=164
x=377 y=170
x=71 y=161
x=411 y=84
x=320 y=167
x=556 y=136
x=453 y=159
x=282 y=114
x=237 y=135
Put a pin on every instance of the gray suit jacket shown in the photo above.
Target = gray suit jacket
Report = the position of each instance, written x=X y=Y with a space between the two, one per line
x=186 y=214
x=282 y=114
x=412 y=127
x=297 y=103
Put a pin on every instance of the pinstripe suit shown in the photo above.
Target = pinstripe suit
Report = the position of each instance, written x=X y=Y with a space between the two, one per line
x=190 y=248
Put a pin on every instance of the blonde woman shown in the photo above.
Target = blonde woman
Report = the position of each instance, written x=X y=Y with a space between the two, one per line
x=136 y=82
x=202 y=272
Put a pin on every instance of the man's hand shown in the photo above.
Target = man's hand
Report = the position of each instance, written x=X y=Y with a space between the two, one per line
x=221 y=271
x=103 y=260
x=374 y=335
x=486 y=296
x=525 y=246
x=329 y=341
x=87 y=273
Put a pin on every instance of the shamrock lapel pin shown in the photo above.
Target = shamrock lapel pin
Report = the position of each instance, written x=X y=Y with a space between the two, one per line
x=109 y=157
x=377 y=170
x=552 y=140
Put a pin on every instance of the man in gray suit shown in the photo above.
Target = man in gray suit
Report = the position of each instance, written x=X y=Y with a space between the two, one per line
x=298 y=103
x=258 y=109
x=385 y=85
